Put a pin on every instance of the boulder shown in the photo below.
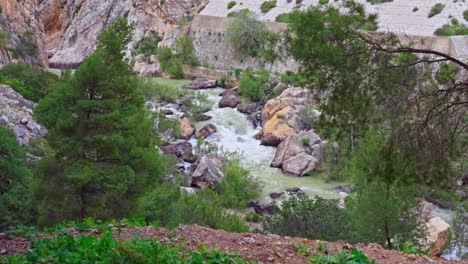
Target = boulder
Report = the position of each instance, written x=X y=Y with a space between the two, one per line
x=426 y=210
x=201 y=83
x=437 y=235
x=229 y=100
x=147 y=69
x=300 y=153
x=276 y=195
x=254 y=120
x=295 y=190
x=229 y=91
x=186 y=128
x=260 y=208
x=248 y=108
x=207 y=171
x=347 y=189
x=205 y=131
x=181 y=149
x=280 y=116
x=203 y=117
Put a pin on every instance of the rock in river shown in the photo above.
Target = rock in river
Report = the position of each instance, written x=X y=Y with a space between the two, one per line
x=205 y=131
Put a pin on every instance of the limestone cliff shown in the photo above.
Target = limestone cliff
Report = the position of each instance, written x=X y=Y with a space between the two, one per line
x=21 y=33
x=73 y=26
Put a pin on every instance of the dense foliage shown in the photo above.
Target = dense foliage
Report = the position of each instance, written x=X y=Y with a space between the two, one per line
x=353 y=256
x=244 y=34
x=32 y=83
x=170 y=64
x=101 y=134
x=253 y=85
x=15 y=178
x=315 y=218
x=106 y=249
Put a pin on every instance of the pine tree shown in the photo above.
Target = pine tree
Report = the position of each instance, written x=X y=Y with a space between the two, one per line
x=101 y=134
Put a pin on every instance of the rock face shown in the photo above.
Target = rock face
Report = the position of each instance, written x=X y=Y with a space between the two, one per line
x=145 y=68
x=186 y=128
x=24 y=33
x=207 y=171
x=300 y=153
x=229 y=100
x=260 y=208
x=73 y=26
x=201 y=83
x=16 y=114
x=181 y=149
x=205 y=131
x=438 y=235
x=280 y=116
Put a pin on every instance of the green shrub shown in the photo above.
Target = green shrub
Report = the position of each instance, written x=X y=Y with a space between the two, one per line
x=370 y=23
x=323 y=2
x=267 y=6
x=317 y=218
x=465 y=15
x=436 y=9
x=231 y=4
x=204 y=208
x=255 y=218
x=244 y=34
x=455 y=28
x=415 y=9
x=31 y=83
x=15 y=179
x=156 y=205
x=253 y=85
x=170 y=64
x=184 y=48
x=284 y=17
x=27 y=47
x=353 y=256
x=106 y=249
x=237 y=187
x=148 y=45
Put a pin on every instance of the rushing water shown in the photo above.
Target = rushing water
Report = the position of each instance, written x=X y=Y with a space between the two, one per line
x=236 y=133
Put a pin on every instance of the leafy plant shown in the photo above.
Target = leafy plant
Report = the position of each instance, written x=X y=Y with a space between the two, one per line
x=253 y=85
x=3 y=40
x=231 y=4
x=148 y=45
x=465 y=15
x=455 y=28
x=170 y=64
x=244 y=34
x=323 y=2
x=267 y=6
x=184 y=48
x=436 y=9
x=353 y=256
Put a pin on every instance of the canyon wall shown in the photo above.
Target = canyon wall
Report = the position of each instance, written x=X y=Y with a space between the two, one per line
x=21 y=33
x=73 y=26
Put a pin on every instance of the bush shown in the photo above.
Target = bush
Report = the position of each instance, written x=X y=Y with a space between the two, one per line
x=323 y=2
x=27 y=47
x=32 y=83
x=465 y=15
x=353 y=256
x=170 y=64
x=184 y=48
x=237 y=187
x=231 y=4
x=318 y=218
x=436 y=9
x=446 y=74
x=452 y=29
x=156 y=205
x=106 y=249
x=15 y=179
x=267 y=6
x=244 y=34
x=284 y=17
x=148 y=45
x=253 y=85
x=3 y=40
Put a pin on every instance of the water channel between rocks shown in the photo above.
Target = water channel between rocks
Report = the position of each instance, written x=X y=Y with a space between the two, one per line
x=236 y=133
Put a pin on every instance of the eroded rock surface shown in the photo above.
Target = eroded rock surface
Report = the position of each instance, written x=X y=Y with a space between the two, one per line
x=186 y=128
x=207 y=171
x=280 y=116
x=300 y=153
x=16 y=114
x=24 y=33
x=201 y=83
x=205 y=131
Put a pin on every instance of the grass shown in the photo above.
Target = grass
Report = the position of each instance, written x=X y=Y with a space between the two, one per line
x=267 y=6
x=163 y=89
x=436 y=9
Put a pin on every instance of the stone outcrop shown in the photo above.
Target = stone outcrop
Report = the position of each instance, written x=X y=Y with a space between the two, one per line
x=16 y=114
x=437 y=235
x=248 y=108
x=72 y=27
x=186 y=128
x=207 y=171
x=229 y=100
x=201 y=83
x=300 y=153
x=181 y=149
x=280 y=116
x=150 y=67
x=205 y=131
x=23 y=33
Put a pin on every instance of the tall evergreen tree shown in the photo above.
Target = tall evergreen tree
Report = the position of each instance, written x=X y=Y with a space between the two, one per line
x=105 y=157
